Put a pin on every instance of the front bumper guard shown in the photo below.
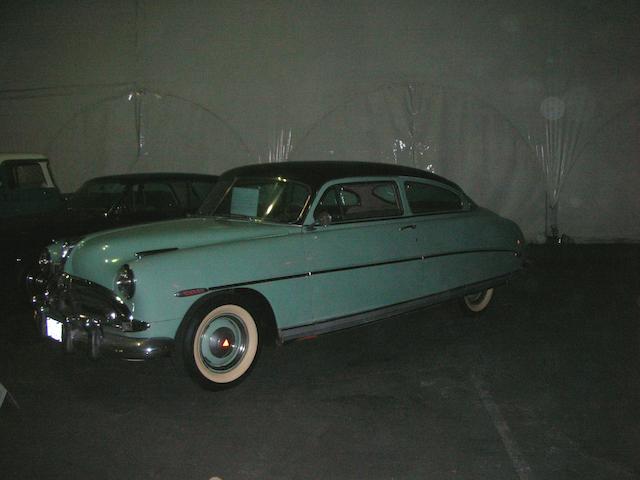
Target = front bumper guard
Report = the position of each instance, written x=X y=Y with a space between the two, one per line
x=92 y=315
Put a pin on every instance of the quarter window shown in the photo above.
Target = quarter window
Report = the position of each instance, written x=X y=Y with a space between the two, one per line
x=358 y=201
x=426 y=198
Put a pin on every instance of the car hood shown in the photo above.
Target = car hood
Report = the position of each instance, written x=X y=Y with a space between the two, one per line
x=98 y=257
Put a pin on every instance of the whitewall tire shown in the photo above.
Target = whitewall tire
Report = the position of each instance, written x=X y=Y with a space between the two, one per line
x=220 y=345
x=477 y=302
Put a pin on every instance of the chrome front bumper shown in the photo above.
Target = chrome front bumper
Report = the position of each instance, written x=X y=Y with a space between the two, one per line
x=91 y=314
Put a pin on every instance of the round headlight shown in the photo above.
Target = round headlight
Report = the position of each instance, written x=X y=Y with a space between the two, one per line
x=125 y=281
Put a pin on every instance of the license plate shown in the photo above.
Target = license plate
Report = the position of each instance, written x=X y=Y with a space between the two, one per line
x=54 y=329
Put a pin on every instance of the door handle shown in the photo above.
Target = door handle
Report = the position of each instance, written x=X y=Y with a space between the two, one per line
x=407 y=227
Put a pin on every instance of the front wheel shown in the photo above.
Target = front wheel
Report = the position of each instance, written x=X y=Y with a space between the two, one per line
x=220 y=344
x=477 y=302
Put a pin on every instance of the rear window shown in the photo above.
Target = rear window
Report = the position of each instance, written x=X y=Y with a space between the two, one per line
x=28 y=176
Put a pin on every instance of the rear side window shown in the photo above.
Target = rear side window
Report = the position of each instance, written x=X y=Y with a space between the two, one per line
x=427 y=198
x=98 y=195
x=359 y=201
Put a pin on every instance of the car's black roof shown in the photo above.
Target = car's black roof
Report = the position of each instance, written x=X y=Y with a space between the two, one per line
x=155 y=176
x=317 y=173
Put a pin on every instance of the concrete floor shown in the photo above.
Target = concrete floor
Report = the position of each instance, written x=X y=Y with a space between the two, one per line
x=545 y=385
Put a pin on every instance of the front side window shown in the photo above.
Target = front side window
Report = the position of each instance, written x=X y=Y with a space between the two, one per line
x=427 y=198
x=358 y=201
x=265 y=199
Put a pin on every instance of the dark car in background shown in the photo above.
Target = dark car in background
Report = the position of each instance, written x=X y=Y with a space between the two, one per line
x=100 y=204
x=121 y=200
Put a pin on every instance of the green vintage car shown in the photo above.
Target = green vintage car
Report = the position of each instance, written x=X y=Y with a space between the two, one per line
x=277 y=252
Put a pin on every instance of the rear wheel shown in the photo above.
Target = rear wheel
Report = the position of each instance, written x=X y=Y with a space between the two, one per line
x=220 y=344
x=477 y=302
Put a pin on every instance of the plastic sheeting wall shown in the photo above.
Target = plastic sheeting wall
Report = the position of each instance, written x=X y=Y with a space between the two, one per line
x=142 y=131
x=449 y=133
x=601 y=198
x=529 y=107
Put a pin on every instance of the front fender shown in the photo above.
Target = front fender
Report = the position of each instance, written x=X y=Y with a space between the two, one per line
x=273 y=266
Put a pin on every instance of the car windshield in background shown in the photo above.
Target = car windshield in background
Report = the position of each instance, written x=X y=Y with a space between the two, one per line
x=97 y=195
x=265 y=199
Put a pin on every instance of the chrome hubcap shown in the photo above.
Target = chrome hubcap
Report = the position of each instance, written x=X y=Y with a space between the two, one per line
x=223 y=343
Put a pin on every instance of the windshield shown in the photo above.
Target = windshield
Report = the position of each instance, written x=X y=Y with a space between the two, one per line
x=97 y=195
x=266 y=199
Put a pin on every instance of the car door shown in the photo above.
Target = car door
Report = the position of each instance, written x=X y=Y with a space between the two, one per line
x=447 y=237
x=361 y=252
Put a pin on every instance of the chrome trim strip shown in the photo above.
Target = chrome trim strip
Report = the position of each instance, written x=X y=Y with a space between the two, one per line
x=146 y=253
x=353 y=267
x=370 y=316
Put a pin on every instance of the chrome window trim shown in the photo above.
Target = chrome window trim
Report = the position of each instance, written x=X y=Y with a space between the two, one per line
x=355 y=181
